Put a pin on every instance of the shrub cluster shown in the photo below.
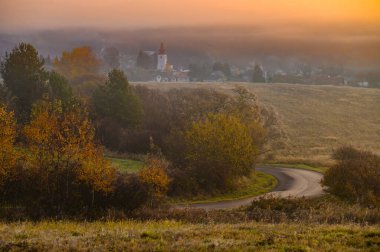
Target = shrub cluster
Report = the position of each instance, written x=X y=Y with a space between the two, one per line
x=60 y=171
x=324 y=210
x=327 y=209
x=210 y=138
x=355 y=176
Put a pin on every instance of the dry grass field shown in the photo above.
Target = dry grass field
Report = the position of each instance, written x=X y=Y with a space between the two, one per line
x=320 y=224
x=178 y=236
x=316 y=119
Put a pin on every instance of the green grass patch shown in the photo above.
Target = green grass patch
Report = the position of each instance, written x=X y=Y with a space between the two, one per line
x=258 y=184
x=298 y=166
x=126 y=165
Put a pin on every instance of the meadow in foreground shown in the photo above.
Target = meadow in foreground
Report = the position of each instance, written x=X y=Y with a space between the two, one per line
x=177 y=236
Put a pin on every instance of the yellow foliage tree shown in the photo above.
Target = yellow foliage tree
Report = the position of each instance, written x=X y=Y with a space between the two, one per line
x=219 y=150
x=61 y=149
x=8 y=154
x=81 y=67
x=81 y=61
x=155 y=178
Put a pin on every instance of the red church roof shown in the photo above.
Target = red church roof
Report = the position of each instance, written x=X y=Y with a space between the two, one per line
x=162 y=49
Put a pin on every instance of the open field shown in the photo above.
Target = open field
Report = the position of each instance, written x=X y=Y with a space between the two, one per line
x=178 y=236
x=316 y=119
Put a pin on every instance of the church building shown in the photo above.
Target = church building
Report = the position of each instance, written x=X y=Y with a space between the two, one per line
x=162 y=59
x=158 y=62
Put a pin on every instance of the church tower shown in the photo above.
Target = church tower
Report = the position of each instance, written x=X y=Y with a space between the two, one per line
x=162 y=58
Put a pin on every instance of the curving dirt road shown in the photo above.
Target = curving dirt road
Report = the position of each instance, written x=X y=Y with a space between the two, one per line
x=291 y=182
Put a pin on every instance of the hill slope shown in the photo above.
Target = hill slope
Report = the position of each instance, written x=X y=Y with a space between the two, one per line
x=316 y=119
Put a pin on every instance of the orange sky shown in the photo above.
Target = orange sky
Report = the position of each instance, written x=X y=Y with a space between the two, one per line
x=26 y=14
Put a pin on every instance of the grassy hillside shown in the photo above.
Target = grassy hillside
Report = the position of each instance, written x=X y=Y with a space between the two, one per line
x=317 y=119
x=178 y=236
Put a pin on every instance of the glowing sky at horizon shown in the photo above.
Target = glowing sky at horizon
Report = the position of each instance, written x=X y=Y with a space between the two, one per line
x=39 y=14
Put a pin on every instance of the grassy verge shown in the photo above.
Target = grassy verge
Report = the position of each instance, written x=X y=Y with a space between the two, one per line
x=179 y=236
x=256 y=185
x=126 y=165
x=297 y=166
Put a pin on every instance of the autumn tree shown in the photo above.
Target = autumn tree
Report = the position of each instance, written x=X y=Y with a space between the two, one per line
x=155 y=179
x=187 y=106
x=81 y=67
x=63 y=156
x=79 y=62
x=219 y=150
x=24 y=76
x=8 y=153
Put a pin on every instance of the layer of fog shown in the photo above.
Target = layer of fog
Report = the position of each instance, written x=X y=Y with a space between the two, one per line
x=351 y=46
